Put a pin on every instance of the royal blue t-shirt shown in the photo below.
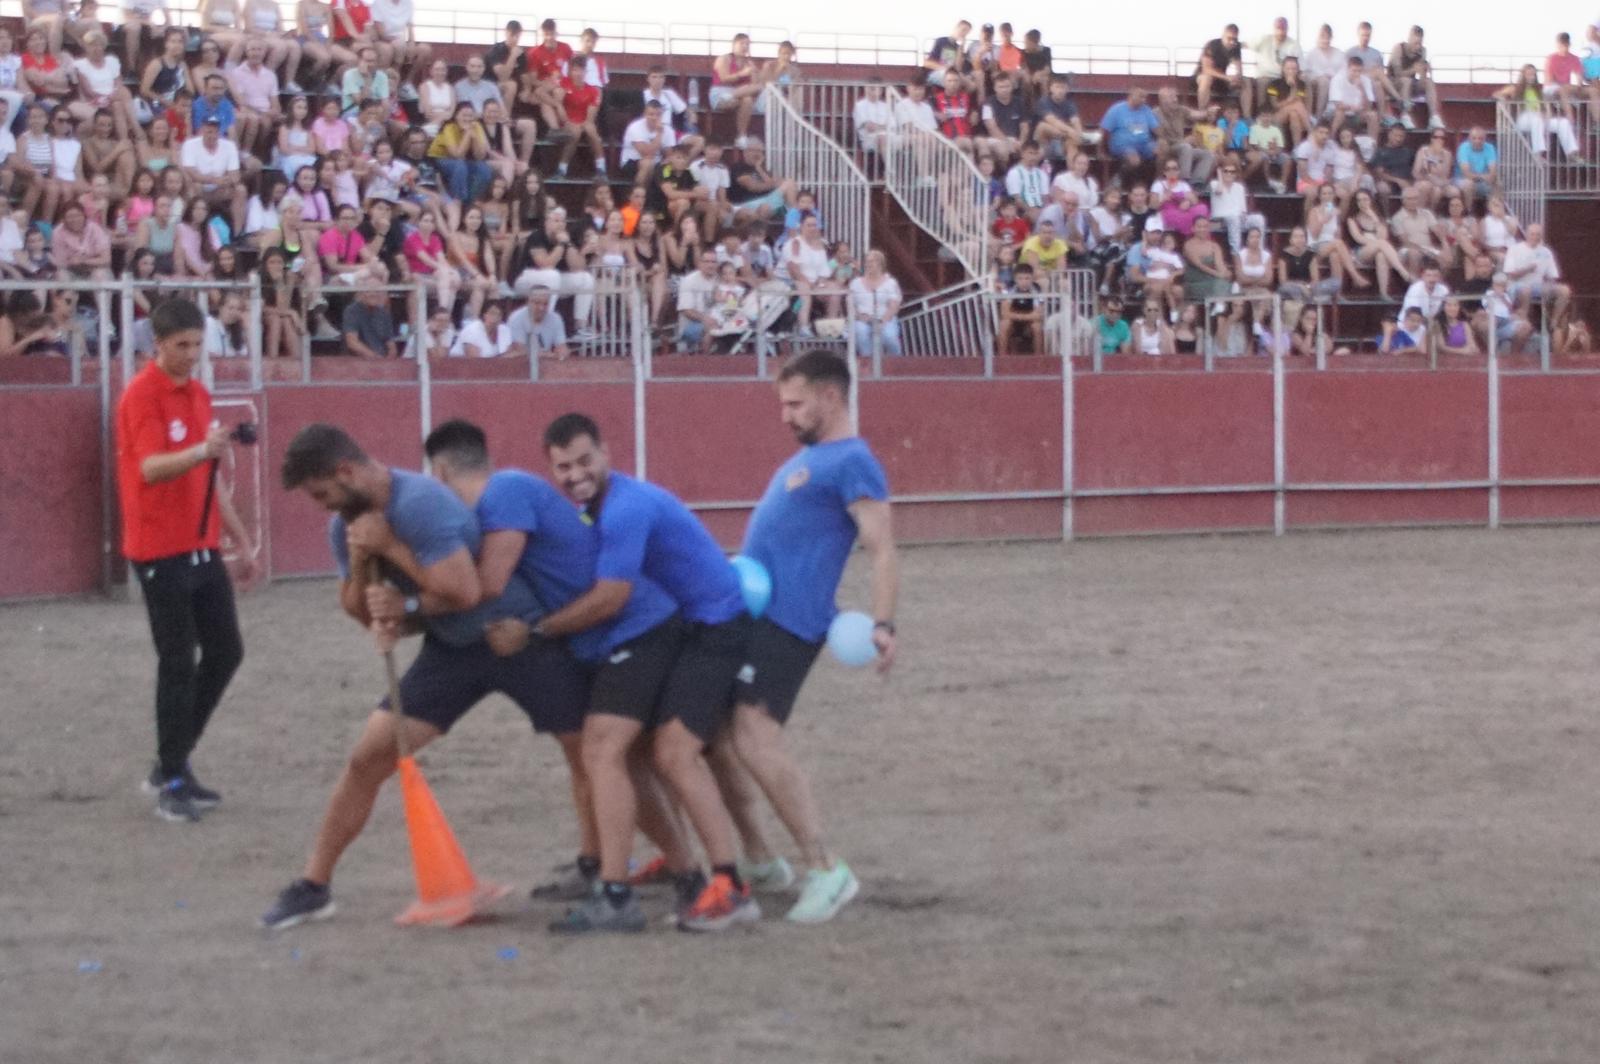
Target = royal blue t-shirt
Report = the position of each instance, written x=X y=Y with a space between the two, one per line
x=558 y=560
x=645 y=531
x=802 y=530
x=427 y=517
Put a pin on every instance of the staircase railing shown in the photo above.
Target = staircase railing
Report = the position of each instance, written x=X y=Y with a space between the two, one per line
x=798 y=150
x=1524 y=174
x=957 y=321
x=940 y=189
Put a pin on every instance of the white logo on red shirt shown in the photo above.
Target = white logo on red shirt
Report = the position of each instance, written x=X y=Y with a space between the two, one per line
x=177 y=430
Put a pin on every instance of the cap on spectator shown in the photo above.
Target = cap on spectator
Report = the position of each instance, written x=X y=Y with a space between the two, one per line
x=211 y=120
x=655 y=104
x=988 y=27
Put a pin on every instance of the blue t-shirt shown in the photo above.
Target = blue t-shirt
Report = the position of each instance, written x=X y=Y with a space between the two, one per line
x=558 y=560
x=645 y=531
x=1475 y=162
x=1130 y=128
x=427 y=517
x=802 y=530
x=203 y=110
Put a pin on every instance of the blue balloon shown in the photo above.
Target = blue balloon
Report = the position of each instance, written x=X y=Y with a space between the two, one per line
x=850 y=638
x=755 y=582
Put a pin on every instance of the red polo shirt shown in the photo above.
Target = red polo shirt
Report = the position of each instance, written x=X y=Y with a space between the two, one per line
x=577 y=101
x=156 y=415
x=544 y=61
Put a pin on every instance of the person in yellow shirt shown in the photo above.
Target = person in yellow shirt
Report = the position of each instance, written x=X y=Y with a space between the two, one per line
x=462 y=151
x=1044 y=250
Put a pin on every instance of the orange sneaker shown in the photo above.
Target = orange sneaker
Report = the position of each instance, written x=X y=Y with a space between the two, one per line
x=653 y=872
x=720 y=906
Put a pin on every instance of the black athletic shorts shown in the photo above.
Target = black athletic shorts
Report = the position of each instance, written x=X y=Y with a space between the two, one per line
x=544 y=680
x=775 y=668
x=629 y=681
x=700 y=690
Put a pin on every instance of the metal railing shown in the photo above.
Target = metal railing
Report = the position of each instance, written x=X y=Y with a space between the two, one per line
x=940 y=189
x=954 y=322
x=1524 y=175
x=798 y=150
x=829 y=105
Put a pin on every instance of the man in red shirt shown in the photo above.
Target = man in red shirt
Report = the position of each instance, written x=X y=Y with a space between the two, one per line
x=547 y=62
x=580 y=103
x=167 y=445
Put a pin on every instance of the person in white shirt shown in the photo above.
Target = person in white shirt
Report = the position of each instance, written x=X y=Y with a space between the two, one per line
x=645 y=142
x=711 y=174
x=1427 y=293
x=99 y=78
x=211 y=163
x=805 y=263
x=875 y=299
x=871 y=116
x=1230 y=204
x=225 y=335
x=487 y=337
x=536 y=328
x=1531 y=268
x=914 y=111
x=674 y=110
x=1028 y=183
x=1314 y=162
x=393 y=25
x=697 y=292
x=1352 y=96
x=1321 y=65
x=1078 y=180
x=1270 y=52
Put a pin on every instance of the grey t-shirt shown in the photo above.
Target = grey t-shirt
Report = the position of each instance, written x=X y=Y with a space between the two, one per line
x=477 y=95
x=1372 y=60
x=427 y=517
x=546 y=335
x=373 y=326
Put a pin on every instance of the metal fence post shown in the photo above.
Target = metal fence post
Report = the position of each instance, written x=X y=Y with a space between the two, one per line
x=1068 y=407
x=1279 y=462
x=256 y=353
x=1493 y=367
x=107 y=472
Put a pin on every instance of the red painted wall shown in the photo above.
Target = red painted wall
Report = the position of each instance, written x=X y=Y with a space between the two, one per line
x=50 y=491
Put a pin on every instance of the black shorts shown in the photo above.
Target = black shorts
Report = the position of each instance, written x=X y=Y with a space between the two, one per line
x=629 y=682
x=700 y=690
x=775 y=669
x=544 y=680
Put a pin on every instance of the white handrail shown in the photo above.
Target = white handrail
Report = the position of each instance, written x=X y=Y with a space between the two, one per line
x=941 y=190
x=1524 y=175
x=799 y=150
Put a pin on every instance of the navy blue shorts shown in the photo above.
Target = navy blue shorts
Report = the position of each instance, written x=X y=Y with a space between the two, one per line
x=544 y=681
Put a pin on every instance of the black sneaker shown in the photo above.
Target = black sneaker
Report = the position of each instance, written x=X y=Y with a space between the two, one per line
x=199 y=794
x=175 y=804
x=300 y=902
x=570 y=884
x=598 y=914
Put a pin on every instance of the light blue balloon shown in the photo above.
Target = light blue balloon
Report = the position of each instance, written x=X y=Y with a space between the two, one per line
x=850 y=638
x=755 y=583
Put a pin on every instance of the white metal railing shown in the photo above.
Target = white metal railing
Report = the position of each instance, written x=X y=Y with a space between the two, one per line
x=798 y=150
x=1524 y=175
x=954 y=322
x=1563 y=132
x=940 y=189
x=830 y=106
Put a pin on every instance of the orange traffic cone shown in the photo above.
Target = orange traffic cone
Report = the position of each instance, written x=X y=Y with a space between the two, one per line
x=448 y=894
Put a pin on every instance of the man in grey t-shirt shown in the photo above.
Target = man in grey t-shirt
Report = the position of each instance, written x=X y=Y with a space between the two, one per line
x=537 y=328
x=1375 y=65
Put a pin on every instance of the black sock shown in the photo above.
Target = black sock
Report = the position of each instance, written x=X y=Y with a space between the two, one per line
x=617 y=893
x=731 y=871
x=588 y=867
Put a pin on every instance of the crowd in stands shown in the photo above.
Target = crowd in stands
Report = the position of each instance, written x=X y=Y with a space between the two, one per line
x=1160 y=199
x=343 y=164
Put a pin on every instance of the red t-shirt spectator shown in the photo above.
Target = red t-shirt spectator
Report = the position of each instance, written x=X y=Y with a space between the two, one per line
x=953 y=112
x=360 y=14
x=156 y=415
x=544 y=61
x=1013 y=231
x=415 y=245
x=577 y=101
x=1563 y=69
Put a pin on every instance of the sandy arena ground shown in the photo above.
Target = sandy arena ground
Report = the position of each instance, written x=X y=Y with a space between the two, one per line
x=1325 y=798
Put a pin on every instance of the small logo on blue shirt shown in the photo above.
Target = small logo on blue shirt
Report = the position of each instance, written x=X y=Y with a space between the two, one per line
x=797 y=479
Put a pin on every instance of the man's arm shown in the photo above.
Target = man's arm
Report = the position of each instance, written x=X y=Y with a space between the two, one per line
x=157 y=468
x=876 y=533
x=595 y=606
x=240 y=535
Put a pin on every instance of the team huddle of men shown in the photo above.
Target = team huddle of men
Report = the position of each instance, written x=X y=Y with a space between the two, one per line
x=604 y=609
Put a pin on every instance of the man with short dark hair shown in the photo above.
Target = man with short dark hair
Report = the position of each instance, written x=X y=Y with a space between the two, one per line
x=675 y=681
x=1409 y=72
x=368 y=326
x=537 y=328
x=580 y=104
x=168 y=447
x=1056 y=120
x=507 y=60
x=817 y=505
x=1222 y=65
x=405 y=548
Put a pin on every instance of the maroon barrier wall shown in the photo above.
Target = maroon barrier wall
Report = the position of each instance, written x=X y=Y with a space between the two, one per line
x=968 y=458
x=50 y=491
x=1384 y=427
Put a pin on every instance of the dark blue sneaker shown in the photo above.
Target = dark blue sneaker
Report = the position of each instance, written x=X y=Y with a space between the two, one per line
x=300 y=902
x=175 y=804
x=199 y=794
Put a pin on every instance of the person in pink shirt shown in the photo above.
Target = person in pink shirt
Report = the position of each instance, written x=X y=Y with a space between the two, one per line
x=426 y=258
x=344 y=252
x=81 y=248
x=255 y=92
x=1563 y=76
x=330 y=132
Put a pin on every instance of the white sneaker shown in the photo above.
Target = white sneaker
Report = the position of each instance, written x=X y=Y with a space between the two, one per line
x=294 y=88
x=742 y=143
x=824 y=894
x=774 y=875
x=1435 y=122
x=1276 y=185
x=1406 y=119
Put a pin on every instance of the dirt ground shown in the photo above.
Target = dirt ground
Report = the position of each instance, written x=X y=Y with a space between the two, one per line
x=1324 y=798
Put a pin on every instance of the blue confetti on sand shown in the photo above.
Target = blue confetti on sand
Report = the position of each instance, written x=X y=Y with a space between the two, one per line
x=90 y=967
x=508 y=953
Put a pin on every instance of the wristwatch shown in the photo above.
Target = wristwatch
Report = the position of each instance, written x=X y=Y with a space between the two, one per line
x=887 y=626
x=413 y=606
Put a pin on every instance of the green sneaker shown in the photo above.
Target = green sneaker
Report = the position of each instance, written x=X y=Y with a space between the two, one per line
x=824 y=894
x=774 y=875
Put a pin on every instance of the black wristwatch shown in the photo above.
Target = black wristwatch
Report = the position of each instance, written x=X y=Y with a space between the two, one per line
x=887 y=626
